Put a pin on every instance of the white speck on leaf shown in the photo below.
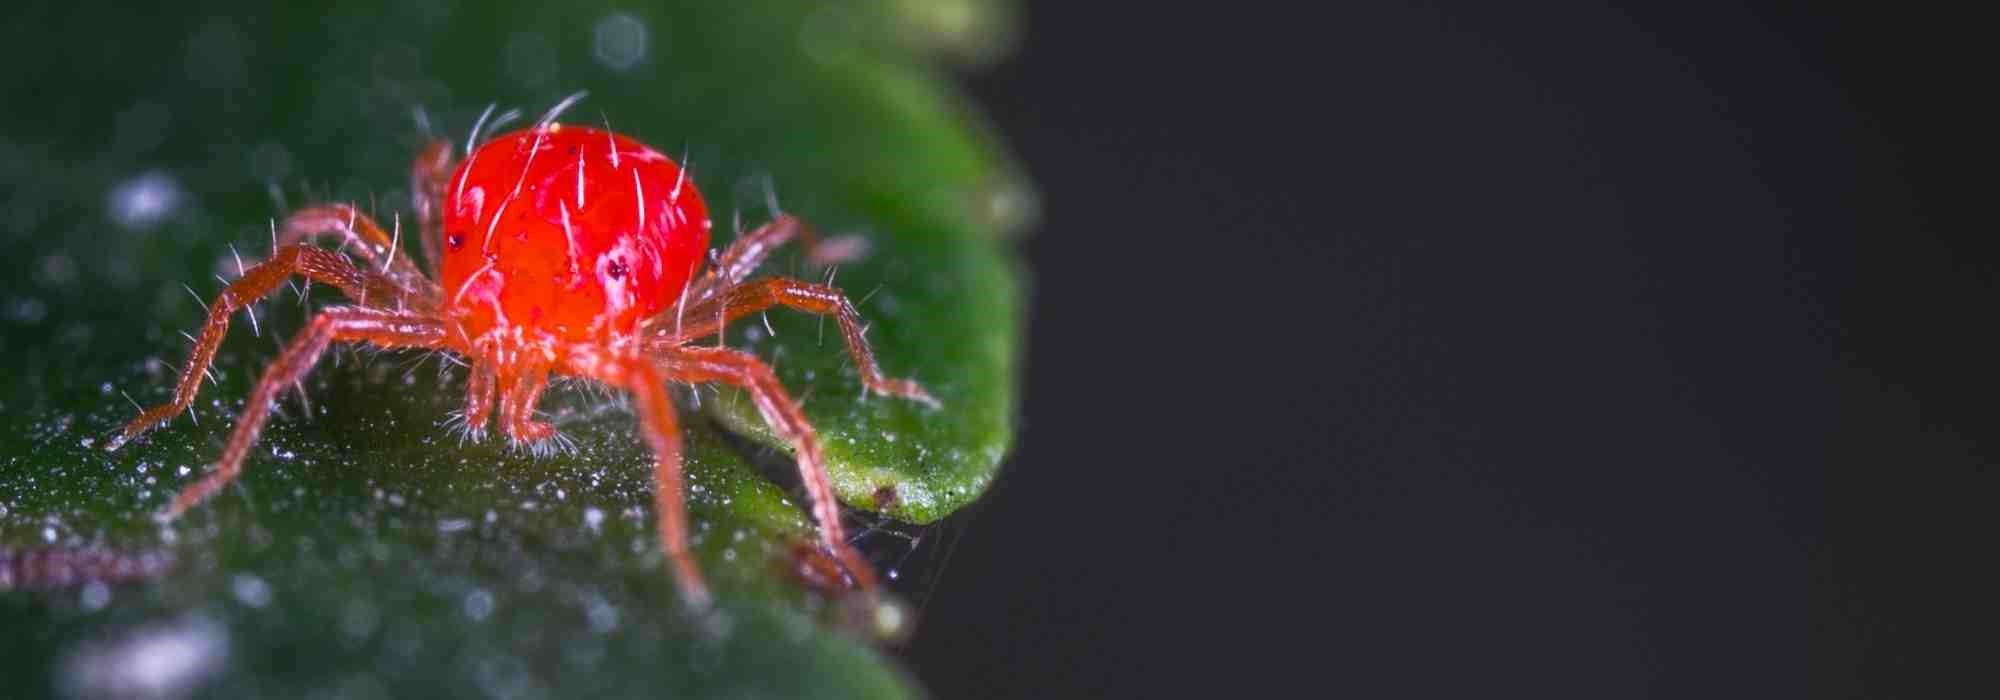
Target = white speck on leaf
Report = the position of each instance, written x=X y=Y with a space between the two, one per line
x=478 y=604
x=603 y=616
x=251 y=590
x=144 y=201
x=95 y=596
x=619 y=41
x=162 y=660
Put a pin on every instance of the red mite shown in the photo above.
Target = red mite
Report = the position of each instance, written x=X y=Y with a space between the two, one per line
x=566 y=250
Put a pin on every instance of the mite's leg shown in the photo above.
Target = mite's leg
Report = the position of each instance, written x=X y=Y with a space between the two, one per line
x=389 y=329
x=749 y=251
x=363 y=286
x=711 y=316
x=479 y=389
x=517 y=408
x=657 y=424
x=376 y=247
x=427 y=179
x=712 y=364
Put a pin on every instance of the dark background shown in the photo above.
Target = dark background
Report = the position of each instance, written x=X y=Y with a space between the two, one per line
x=1419 y=351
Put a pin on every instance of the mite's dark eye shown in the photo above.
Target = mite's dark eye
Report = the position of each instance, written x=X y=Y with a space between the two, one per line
x=454 y=239
x=617 y=269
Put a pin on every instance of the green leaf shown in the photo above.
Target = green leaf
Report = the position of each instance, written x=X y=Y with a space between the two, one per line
x=943 y=306
x=366 y=550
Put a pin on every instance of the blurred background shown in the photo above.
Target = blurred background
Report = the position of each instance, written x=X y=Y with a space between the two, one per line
x=1433 y=349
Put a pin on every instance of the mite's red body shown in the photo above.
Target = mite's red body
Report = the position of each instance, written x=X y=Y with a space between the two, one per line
x=551 y=250
x=570 y=234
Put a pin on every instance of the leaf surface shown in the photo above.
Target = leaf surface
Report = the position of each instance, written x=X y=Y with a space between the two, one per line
x=367 y=551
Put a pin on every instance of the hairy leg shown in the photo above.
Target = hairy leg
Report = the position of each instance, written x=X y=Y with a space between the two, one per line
x=479 y=389
x=364 y=286
x=712 y=364
x=377 y=248
x=427 y=181
x=389 y=329
x=711 y=316
x=517 y=406
x=743 y=256
x=662 y=433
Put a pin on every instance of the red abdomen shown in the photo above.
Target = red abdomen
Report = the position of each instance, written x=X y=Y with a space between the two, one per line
x=568 y=233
